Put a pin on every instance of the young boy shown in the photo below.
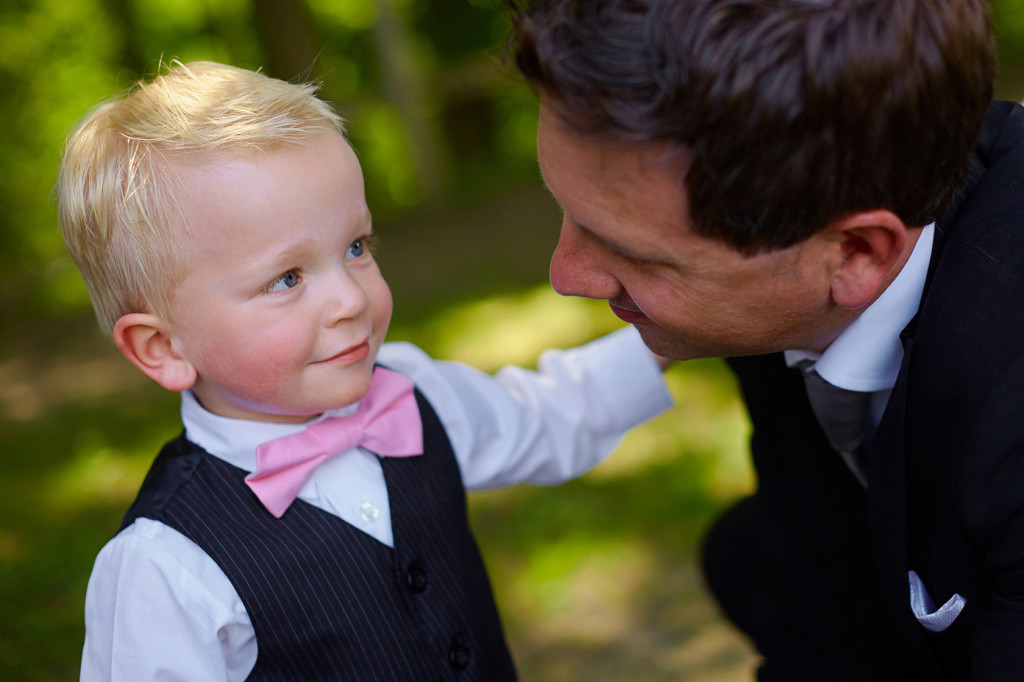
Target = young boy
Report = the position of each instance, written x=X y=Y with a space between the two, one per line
x=310 y=522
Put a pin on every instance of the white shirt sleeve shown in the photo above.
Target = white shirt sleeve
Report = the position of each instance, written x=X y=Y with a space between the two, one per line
x=159 y=608
x=183 y=621
x=541 y=427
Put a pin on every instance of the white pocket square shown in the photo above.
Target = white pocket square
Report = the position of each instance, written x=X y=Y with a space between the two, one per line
x=933 y=619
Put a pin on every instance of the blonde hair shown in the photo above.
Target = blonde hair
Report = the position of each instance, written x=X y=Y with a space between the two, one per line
x=117 y=193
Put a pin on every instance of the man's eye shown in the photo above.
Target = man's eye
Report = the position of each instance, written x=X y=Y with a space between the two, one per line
x=285 y=281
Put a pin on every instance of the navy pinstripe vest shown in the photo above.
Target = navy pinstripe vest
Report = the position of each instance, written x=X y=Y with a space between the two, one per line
x=329 y=602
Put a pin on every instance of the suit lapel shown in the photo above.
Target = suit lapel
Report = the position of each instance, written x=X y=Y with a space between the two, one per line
x=887 y=455
x=887 y=491
x=888 y=460
x=887 y=513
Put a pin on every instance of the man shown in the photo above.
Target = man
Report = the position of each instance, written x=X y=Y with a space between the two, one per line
x=793 y=184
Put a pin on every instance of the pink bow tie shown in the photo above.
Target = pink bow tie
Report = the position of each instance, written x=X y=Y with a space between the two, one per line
x=387 y=423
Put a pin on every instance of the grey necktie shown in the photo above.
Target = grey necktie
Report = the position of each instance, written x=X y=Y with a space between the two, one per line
x=843 y=416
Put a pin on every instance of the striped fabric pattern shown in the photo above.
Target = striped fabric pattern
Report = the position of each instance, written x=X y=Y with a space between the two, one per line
x=329 y=602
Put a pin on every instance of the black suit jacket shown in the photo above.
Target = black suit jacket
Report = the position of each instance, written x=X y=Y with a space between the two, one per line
x=946 y=467
x=946 y=497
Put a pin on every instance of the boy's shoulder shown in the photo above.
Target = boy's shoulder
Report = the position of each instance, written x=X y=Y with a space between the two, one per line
x=173 y=467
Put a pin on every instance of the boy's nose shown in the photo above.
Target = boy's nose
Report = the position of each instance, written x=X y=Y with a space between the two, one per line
x=345 y=298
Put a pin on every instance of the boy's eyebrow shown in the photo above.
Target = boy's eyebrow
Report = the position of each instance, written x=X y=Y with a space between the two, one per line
x=284 y=258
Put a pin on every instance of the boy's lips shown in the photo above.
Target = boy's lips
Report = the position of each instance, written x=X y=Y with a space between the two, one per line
x=628 y=314
x=353 y=353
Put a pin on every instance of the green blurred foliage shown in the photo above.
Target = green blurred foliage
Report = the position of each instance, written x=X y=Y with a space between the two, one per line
x=1009 y=16
x=434 y=118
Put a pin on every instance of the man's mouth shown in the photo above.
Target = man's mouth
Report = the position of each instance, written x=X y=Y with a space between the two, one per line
x=628 y=314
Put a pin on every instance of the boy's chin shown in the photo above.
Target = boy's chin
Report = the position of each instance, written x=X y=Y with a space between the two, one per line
x=355 y=390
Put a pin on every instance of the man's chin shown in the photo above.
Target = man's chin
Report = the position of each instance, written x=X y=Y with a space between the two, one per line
x=662 y=343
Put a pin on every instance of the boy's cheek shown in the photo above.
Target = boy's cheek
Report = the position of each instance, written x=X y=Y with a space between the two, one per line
x=259 y=366
x=384 y=309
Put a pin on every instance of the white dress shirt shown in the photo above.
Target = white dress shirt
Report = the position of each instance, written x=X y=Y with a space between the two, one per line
x=866 y=356
x=157 y=607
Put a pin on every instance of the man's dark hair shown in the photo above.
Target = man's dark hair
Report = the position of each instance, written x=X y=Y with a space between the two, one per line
x=793 y=113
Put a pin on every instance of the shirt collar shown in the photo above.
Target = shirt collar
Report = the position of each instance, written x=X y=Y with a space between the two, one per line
x=866 y=356
x=235 y=440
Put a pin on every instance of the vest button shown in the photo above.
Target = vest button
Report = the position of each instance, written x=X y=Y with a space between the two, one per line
x=458 y=656
x=416 y=578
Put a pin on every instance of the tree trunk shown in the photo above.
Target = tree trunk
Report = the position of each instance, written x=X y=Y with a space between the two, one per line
x=286 y=30
x=405 y=85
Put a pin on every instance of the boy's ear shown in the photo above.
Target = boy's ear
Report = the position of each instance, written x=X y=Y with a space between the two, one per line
x=871 y=249
x=143 y=339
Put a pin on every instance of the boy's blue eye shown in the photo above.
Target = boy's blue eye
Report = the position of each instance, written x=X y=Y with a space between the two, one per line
x=356 y=249
x=285 y=281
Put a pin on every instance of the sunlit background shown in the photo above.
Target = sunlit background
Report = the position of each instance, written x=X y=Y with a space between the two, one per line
x=596 y=579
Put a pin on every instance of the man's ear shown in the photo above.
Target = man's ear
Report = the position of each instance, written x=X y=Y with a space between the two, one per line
x=871 y=249
x=144 y=340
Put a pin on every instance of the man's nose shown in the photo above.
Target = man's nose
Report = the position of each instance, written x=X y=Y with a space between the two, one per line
x=579 y=266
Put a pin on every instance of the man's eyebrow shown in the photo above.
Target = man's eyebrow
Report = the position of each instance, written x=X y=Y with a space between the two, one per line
x=616 y=247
